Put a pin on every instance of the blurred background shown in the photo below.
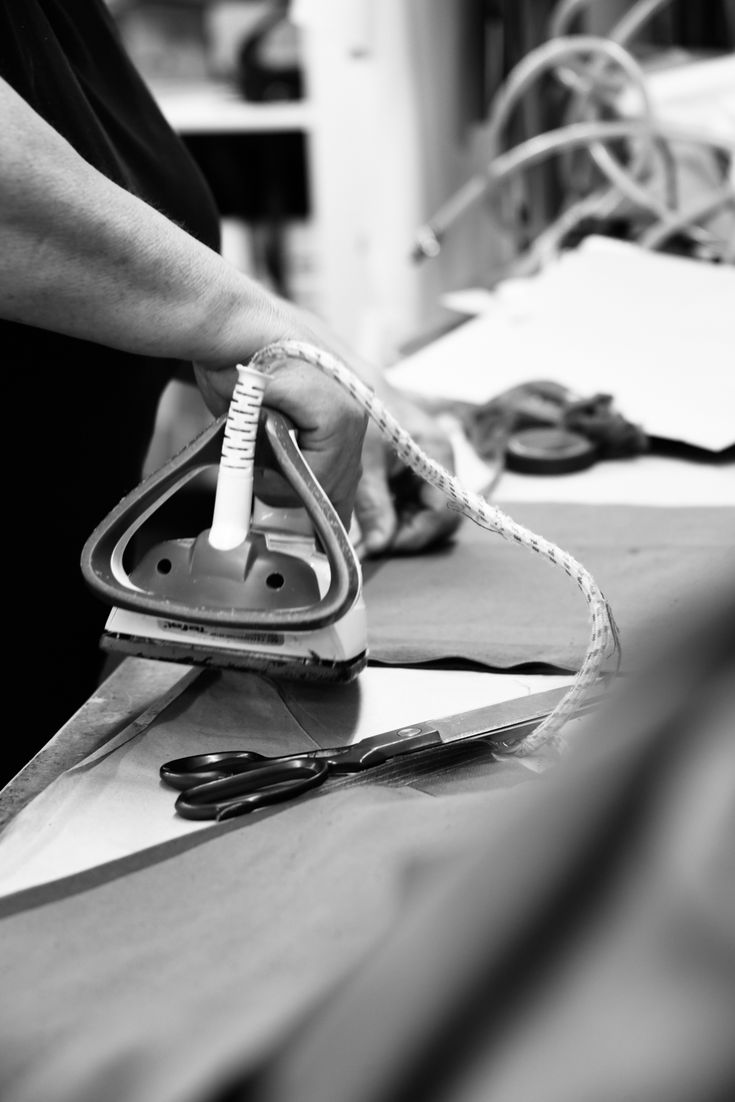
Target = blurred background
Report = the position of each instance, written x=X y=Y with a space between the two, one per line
x=332 y=131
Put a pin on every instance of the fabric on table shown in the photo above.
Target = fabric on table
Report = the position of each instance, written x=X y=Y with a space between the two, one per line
x=154 y=978
x=113 y=802
x=172 y=974
x=342 y=947
x=489 y=603
x=589 y=953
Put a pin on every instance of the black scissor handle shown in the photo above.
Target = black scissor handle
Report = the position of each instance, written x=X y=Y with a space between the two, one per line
x=241 y=793
x=197 y=769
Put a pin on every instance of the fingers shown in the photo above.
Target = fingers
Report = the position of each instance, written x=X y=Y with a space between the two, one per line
x=425 y=519
x=395 y=524
x=399 y=513
x=418 y=533
x=431 y=524
x=396 y=512
x=331 y=429
x=375 y=512
x=330 y=424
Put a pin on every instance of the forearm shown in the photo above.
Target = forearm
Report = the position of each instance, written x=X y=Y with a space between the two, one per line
x=82 y=256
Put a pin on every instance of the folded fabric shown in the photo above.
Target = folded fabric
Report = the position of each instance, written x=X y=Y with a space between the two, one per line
x=485 y=602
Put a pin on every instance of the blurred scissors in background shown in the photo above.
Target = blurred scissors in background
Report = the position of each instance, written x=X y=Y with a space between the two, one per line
x=230 y=783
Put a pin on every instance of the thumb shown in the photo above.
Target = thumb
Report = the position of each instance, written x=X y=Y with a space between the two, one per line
x=374 y=511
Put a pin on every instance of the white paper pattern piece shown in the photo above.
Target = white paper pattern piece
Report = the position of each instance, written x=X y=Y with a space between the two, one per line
x=656 y=332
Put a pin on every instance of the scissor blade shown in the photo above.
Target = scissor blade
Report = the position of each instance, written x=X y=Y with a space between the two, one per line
x=496 y=718
x=503 y=724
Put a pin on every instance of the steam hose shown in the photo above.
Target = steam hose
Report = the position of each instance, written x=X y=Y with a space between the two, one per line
x=603 y=641
x=234 y=494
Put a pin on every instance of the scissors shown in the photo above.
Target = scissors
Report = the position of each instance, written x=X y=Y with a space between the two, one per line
x=230 y=783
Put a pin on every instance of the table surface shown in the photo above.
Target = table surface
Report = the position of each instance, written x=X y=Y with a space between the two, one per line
x=133 y=687
x=690 y=478
x=139 y=684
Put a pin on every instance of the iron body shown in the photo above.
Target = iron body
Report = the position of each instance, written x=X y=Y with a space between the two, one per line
x=286 y=601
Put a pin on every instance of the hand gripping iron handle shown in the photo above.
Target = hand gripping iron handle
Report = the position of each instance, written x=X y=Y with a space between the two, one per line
x=103 y=553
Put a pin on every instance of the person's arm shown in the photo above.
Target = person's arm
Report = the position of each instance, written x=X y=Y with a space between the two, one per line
x=396 y=512
x=82 y=256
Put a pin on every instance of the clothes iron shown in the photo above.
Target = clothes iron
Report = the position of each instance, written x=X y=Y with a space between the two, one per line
x=262 y=587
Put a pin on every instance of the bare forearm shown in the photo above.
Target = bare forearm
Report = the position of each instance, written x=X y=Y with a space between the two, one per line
x=82 y=256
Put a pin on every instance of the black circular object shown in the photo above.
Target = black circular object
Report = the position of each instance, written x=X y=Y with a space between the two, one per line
x=549 y=451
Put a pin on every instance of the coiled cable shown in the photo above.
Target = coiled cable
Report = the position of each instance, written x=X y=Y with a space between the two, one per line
x=536 y=149
x=603 y=642
x=582 y=63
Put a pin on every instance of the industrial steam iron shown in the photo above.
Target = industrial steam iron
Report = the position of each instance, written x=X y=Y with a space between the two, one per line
x=259 y=587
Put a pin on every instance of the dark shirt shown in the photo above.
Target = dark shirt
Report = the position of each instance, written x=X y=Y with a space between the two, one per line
x=84 y=412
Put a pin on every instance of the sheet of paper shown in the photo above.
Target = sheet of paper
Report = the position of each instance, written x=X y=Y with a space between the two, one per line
x=654 y=331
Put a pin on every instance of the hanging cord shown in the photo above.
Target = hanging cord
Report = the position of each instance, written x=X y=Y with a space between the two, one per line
x=583 y=82
x=534 y=150
x=626 y=28
x=646 y=137
x=545 y=58
x=669 y=219
x=520 y=80
x=234 y=493
x=603 y=642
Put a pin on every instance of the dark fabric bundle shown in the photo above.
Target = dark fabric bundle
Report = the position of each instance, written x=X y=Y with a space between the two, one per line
x=547 y=403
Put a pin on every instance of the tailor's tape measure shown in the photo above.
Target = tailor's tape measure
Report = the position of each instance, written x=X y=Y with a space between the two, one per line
x=549 y=451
